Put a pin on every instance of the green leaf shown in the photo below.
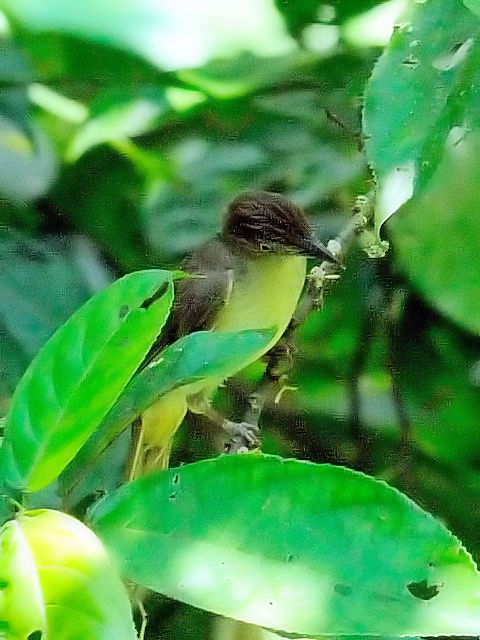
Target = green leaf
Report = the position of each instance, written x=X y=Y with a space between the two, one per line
x=423 y=88
x=79 y=373
x=119 y=116
x=163 y=33
x=436 y=236
x=204 y=354
x=473 y=5
x=305 y=549
x=246 y=73
x=133 y=25
x=56 y=578
x=21 y=603
x=76 y=69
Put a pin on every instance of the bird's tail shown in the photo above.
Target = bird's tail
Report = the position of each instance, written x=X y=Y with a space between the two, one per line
x=153 y=435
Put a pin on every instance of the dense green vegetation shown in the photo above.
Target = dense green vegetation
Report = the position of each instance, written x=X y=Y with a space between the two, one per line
x=125 y=129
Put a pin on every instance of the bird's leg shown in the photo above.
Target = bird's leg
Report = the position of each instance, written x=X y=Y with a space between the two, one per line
x=242 y=436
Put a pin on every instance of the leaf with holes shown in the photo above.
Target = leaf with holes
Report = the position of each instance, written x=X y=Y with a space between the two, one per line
x=423 y=92
x=305 y=549
x=56 y=579
x=199 y=355
x=77 y=376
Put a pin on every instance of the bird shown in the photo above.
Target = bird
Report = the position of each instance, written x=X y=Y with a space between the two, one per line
x=250 y=276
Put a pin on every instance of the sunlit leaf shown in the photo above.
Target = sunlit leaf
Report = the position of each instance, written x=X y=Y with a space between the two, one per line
x=204 y=354
x=57 y=579
x=78 y=374
x=21 y=604
x=244 y=74
x=117 y=117
x=164 y=33
x=131 y=25
x=301 y=548
x=422 y=90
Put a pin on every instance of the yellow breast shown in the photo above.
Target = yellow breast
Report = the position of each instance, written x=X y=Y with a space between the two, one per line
x=264 y=295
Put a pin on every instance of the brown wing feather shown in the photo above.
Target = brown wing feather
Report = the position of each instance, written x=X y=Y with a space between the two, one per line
x=198 y=299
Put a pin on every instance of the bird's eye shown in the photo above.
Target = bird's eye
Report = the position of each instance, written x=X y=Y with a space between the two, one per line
x=264 y=247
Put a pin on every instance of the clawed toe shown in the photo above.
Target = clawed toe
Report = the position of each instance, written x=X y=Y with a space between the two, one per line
x=243 y=436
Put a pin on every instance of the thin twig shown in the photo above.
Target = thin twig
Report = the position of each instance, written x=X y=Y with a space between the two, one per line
x=144 y=620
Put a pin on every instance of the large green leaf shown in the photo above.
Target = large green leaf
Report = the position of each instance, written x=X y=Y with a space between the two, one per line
x=56 y=579
x=424 y=87
x=436 y=236
x=21 y=606
x=305 y=549
x=204 y=354
x=78 y=374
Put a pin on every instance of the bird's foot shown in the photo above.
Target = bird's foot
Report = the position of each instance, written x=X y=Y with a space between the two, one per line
x=243 y=436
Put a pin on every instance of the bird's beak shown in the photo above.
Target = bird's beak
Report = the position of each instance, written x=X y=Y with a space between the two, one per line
x=313 y=248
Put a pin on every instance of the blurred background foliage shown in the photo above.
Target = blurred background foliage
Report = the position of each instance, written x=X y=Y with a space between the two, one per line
x=125 y=129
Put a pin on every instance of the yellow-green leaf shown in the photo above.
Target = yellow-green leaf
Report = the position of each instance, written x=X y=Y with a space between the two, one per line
x=77 y=376
x=58 y=579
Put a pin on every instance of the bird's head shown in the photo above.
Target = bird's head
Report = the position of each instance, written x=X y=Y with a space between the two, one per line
x=264 y=222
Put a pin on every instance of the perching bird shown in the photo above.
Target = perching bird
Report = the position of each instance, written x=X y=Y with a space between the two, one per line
x=253 y=274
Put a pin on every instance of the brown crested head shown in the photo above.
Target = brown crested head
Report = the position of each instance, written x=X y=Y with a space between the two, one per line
x=265 y=222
